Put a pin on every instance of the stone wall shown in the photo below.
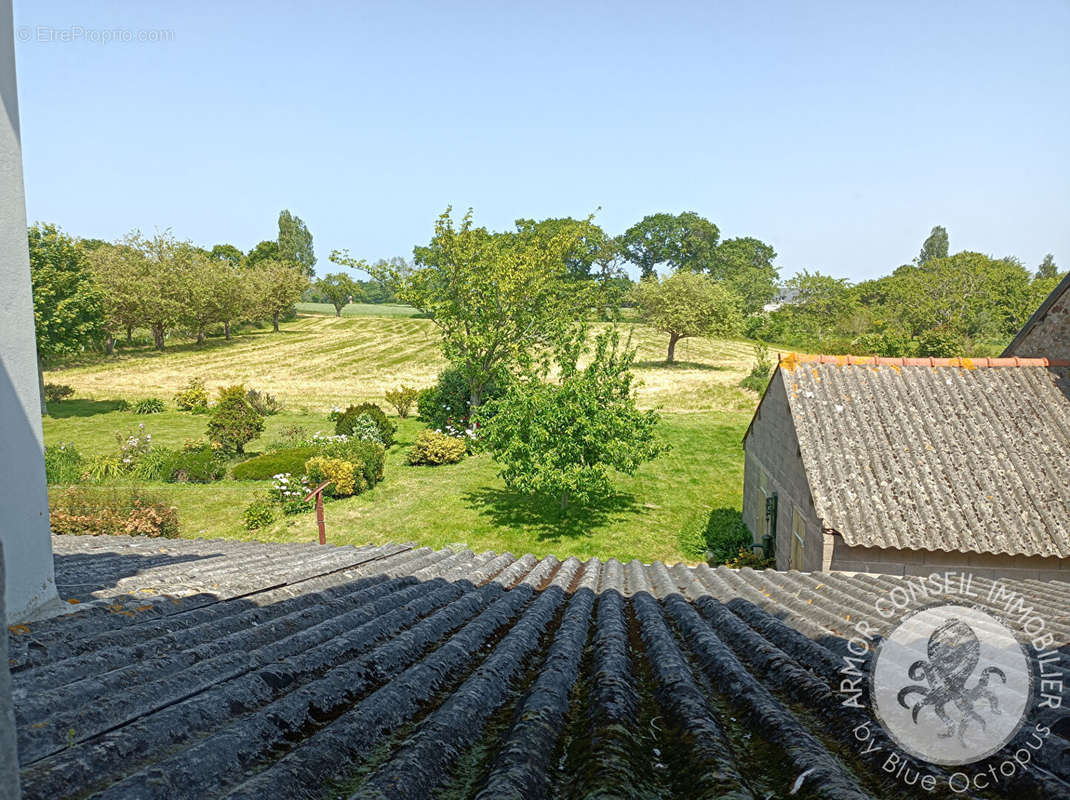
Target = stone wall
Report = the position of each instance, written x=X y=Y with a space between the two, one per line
x=1050 y=336
x=771 y=445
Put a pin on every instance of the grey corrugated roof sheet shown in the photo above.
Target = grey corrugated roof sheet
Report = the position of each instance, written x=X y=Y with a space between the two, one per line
x=969 y=458
x=211 y=669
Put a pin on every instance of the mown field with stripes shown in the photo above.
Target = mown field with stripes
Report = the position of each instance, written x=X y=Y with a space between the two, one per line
x=319 y=360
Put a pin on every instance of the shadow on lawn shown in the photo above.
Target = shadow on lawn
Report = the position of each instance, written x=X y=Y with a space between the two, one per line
x=511 y=509
x=660 y=363
x=83 y=408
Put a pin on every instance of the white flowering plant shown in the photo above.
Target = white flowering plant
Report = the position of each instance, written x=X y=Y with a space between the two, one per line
x=289 y=492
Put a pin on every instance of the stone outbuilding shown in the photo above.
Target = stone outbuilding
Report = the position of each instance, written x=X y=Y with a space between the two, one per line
x=1047 y=333
x=908 y=466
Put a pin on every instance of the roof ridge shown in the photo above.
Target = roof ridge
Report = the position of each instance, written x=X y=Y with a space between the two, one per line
x=790 y=359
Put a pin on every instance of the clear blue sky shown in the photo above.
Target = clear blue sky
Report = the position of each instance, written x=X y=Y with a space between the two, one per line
x=839 y=132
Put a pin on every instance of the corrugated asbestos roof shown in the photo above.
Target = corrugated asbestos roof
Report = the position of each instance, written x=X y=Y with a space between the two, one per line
x=956 y=457
x=210 y=669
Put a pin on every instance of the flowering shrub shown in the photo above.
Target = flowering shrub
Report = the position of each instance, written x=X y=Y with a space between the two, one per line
x=289 y=492
x=335 y=413
x=133 y=447
x=193 y=398
x=434 y=448
x=349 y=425
x=342 y=474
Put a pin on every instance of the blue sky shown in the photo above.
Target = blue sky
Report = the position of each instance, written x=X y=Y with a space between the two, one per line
x=839 y=132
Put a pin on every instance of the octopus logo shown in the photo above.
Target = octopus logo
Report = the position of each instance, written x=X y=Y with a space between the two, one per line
x=951 y=684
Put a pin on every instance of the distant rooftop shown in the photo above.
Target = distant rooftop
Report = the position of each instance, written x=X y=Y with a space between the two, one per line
x=205 y=669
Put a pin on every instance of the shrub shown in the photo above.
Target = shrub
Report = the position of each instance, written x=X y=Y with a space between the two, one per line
x=198 y=462
x=368 y=457
x=268 y=465
x=233 y=421
x=434 y=448
x=149 y=405
x=194 y=397
x=444 y=406
x=760 y=375
x=290 y=493
x=130 y=512
x=334 y=413
x=402 y=399
x=365 y=430
x=267 y=405
x=747 y=557
x=940 y=343
x=347 y=423
x=57 y=392
x=342 y=475
x=259 y=513
x=63 y=463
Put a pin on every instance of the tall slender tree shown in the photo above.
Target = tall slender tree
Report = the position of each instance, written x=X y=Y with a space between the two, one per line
x=295 y=242
x=935 y=246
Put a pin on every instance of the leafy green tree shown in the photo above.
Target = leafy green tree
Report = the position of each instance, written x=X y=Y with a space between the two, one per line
x=233 y=422
x=935 y=246
x=210 y=289
x=688 y=304
x=682 y=241
x=274 y=286
x=969 y=295
x=68 y=306
x=562 y=439
x=499 y=300
x=816 y=317
x=594 y=251
x=267 y=250
x=1047 y=268
x=745 y=266
x=339 y=290
x=295 y=242
x=115 y=269
x=228 y=253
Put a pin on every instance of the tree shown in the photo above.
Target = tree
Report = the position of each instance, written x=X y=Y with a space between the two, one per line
x=688 y=304
x=339 y=290
x=499 y=300
x=968 y=295
x=234 y=421
x=745 y=266
x=935 y=246
x=116 y=268
x=295 y=242
x=228 y=253
x=273 y=287
x=562 y=439
x=160 y=280
x=593 y=248
x=210 y=290
x=683 y=241
x=68 y=307
x=1047 y=268
x=267 y=250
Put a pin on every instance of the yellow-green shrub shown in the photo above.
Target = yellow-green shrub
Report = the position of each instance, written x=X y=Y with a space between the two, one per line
x=434 y=448
x=342 y=474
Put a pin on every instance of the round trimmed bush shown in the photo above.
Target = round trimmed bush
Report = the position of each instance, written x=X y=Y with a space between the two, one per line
x=347 y=422
x=277 y=462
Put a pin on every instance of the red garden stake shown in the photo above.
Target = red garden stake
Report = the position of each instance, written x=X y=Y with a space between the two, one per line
x=318 y=494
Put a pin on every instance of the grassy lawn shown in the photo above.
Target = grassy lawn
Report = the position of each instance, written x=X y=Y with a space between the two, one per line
x=360 y=309
x=321 y=360
x=663 y=512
